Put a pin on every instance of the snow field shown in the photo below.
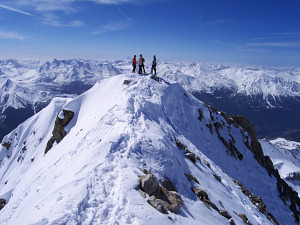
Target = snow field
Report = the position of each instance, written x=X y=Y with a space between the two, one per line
x=91 y=176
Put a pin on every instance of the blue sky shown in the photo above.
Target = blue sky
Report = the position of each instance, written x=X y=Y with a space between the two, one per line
x=259 y=32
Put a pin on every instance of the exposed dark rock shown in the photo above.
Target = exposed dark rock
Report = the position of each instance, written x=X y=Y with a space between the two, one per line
x=6 y=145
x=200 y=117
x=272 y=218
x=190 y=177
x=210 y=126
x=58 y=131
x=213 y=109
x=245 y=219
x=207 y=164
x=211 y=204
x=143 y=194
x=126 y=81
x=221 y=204
x=256 y=200
x=161 y=198
x=234 y=152
x=293 y=176
x=286 y=193
x=231 y=222
x=191 y=156
x=225 y=214
x=168 y=184
x=49 y=144
x=2 y=203
x=180 y=145
x=158 y=204
x=149 y=184
x=200 y=193
x=217 y=178
x=145 y=171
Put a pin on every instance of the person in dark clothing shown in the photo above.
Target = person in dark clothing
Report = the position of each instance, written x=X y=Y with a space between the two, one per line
x=134 y=63
x=153 y=65
x=141 y=63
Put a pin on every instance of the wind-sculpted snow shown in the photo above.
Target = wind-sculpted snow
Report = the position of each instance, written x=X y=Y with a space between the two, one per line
x=91 y=176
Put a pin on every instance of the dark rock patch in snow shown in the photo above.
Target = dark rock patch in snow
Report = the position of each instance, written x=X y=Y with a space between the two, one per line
x=58 y=131
x=163 y=197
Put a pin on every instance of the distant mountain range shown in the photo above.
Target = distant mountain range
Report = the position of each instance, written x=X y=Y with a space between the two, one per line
x=269 y=97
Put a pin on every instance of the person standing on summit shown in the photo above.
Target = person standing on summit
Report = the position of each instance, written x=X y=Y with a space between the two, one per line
x=153 y=65
x=134 y=63
x=141 y=63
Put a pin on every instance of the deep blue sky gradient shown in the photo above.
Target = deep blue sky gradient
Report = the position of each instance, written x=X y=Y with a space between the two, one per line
x=260 y=32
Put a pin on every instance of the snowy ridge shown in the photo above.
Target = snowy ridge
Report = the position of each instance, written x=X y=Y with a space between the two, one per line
x=241 y=79
x=91 y=176
x=37 y=82
x=55 y=74
x=286 y=158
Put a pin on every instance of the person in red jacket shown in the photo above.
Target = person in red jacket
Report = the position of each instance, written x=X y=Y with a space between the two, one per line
x=134 y=63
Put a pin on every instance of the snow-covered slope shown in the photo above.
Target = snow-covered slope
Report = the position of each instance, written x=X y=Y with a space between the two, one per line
x=27 y=86
x=92 y=175
x=286 y=158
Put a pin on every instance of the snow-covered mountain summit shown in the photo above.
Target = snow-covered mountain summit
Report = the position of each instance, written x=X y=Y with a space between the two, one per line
x=256 y=92
x=124 y=132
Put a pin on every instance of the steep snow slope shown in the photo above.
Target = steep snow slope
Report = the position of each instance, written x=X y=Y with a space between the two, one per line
x=28 y=86
x=286 y=158
x=91 y=176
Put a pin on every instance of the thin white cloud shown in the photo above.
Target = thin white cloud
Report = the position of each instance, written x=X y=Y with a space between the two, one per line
x=278 y=36
x=287 y=44
x=70 y=6
x=15 y=10
x=113 y=26
x=112 y=2
x=53 y=20
x=11 y=35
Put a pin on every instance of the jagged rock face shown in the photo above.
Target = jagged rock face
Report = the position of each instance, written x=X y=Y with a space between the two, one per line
x=58 y=131
x=149 y=184
x=2 y=203
x=286 y=193
x=247 y=125
x=163 y=198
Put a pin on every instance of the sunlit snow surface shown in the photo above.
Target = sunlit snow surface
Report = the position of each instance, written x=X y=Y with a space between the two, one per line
x=286 y=158
x=91 y=176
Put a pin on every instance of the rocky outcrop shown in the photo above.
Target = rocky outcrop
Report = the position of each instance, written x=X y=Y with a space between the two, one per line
x=286 y=193
x=245 y=219
x=188 y=154
x=58 y=131
x=2 y=203
x=203 y=196
x=190 y=177
x=163 y=197
x=127 y=82
x=200 y=117
x=6 y=145
x=257 y=201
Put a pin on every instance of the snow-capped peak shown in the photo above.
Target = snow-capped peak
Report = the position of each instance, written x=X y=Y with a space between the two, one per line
x=122 y=125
